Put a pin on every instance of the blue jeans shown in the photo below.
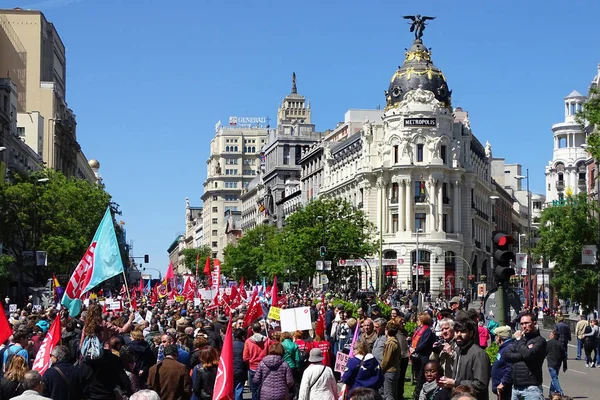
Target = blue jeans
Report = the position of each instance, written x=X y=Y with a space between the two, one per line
x=554 y=383
x=579 y=347
x=528 y=393
x=253 y=387
x=238 y=389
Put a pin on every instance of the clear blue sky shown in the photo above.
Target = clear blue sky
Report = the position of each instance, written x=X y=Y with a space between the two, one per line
x=149 y=79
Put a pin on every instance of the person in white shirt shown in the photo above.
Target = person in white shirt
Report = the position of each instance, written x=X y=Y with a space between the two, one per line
x=32 y=383
x=318 y=382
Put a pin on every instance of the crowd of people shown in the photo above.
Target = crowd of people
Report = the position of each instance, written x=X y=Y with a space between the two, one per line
x=171 y=351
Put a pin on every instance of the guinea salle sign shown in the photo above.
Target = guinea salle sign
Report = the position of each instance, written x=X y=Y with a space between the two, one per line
x=419 y=122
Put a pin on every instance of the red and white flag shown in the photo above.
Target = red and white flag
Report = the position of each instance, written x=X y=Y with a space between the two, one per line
x=274 y=294
x=216 y=274
x=42 y=359
x=243 y=289
x=223 y=389
x=255 y=310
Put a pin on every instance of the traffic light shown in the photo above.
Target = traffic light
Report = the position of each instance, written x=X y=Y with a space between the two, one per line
x=323 y=251
x=503 y=269
x=146 y=259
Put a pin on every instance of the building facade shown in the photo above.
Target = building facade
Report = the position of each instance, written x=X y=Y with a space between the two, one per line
x=15 y=155
x=34 y=56
x=283 y=151
x=566 y=174
x=233 y=163
x=421 y=177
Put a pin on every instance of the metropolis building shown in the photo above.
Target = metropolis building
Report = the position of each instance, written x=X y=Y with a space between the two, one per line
x=422 y=177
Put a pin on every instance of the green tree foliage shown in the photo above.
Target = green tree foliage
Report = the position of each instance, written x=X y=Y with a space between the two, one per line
x=190 y=256
x=256 y=254
x=590 y=117
x=59 y=216
x=335 y=223
x=563 y=232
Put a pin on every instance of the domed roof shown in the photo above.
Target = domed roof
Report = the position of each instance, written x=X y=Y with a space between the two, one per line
x=94 y=163
x=418 y=71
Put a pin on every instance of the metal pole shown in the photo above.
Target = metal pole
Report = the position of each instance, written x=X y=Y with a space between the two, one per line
x=529 y=265
x=417 y=263
x=380 y=274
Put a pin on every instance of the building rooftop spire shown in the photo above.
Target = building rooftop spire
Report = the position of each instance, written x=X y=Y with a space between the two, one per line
x=294 y=89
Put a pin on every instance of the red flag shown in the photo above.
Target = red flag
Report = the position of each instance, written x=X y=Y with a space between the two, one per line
x=134 y=302
x=243 y=289
x=5 y=329
x=234 y=298
x=207 y=267
x=153 y=296
x=123 y=291
x=141 y=286
x=223 y=389
x=42 y=359
x=320 y=328
x=170 y=274
x=274 y=300
x=189 y=288
x=254 y=310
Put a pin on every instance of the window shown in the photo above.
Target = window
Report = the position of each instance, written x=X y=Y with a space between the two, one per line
x=286 y=154
x=445 y=198
x=231 y=161
x=396 y=154
x=445 y=222
x=214 y=244
x=20 y=131
x=216 y=184
x=394 y=223
x=420 y=221
x=215 y=220
x=395 y=192
x=214 y=254
x=215 y=197
x=420 y=152
x=562 y=142
x=214 y=232
x=560 y=177
x=443 y=153
x=230 y=197
x=231 y=172
x=249 y=172
x=215 y=209
x=231 y=209
x=419 y=191
x=231 y=185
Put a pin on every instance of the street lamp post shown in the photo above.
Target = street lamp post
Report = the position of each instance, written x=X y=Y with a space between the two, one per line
x=419 y=230
x=529 y=266
x=157 y=270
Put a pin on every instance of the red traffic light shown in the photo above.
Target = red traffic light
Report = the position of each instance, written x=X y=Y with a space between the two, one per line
x=502 y=240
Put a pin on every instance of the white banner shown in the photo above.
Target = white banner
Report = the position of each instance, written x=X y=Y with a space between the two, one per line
x=521 y=264
x=588 y=255
x=295 y=319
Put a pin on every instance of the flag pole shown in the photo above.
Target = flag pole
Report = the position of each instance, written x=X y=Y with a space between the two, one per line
x=127 y=288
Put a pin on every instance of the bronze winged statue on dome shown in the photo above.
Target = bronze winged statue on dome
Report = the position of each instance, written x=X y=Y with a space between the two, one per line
x=418 y=24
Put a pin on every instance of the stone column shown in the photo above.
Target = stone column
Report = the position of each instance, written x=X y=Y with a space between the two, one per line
x=440 y=210
x=432 y=187
x=388 y=203
x=401 y=202
x=408 y=207
x=380 y=197
x=456 y=208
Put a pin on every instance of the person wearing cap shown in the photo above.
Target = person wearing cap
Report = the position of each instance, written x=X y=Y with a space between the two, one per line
x=501 y=369
x=455 y=306
x=318 y=381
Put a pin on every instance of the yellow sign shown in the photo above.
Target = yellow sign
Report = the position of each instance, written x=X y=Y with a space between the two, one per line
x=93 y=296
x=274 y=313
x=179 y=299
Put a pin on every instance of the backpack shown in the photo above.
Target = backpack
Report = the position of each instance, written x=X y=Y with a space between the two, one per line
x=3 y=365
x=10 y=357
x=91 y=348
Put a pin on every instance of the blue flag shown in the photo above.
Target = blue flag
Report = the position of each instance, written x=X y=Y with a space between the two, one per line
x=101 y=261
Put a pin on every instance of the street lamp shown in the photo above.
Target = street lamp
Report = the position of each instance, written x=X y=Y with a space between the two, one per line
x=417 y=261
x=154 y=269
x=2 y=148
x=529 y=272
x=520 y=236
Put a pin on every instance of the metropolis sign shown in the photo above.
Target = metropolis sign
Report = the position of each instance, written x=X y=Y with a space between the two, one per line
x=419 y=122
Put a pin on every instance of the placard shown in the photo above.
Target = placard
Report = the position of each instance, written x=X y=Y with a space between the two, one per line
x=86 y=302
x=295 y=319
x=197 y=301
x=137 y=318
x=170 y=302
x=340 y=362
x=179 y=299
x=148 y=316
x=37 y=307
x=115 y=305
x=12 y=308
x=275 y=313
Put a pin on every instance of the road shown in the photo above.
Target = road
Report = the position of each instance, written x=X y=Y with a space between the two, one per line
x=578 y=382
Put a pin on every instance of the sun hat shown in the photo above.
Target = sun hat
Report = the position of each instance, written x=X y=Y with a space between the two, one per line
x=315 y=355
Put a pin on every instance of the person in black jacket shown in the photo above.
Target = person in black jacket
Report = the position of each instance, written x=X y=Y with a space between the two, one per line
x=564 y=332
x=62 y=381
x=144 y=357
x=527 y=356
x=101 y=376
x=206 y=374
x=240 y=371
x=555 y=356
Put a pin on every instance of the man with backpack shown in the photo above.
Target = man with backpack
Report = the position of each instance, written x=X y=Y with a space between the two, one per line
x=18 y=347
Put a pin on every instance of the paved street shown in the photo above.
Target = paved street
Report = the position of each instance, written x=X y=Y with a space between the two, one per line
x=578 y=382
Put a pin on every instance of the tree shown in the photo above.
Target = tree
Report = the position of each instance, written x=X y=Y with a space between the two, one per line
x=59 y=216
x=191 y=255
x=590 y=117
x=563 y=232
x=256 y=254
x=334 y=223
